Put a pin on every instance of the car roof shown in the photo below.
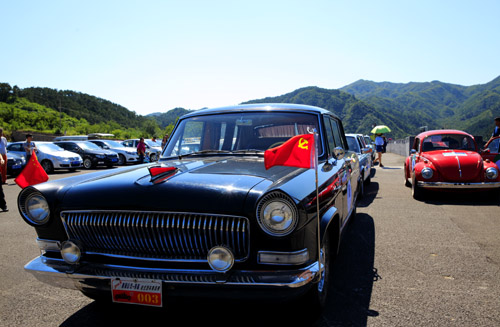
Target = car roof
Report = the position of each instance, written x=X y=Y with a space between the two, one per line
x=441 y=131
x=261 y=107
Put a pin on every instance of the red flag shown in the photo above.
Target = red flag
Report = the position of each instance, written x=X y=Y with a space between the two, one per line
x=299 y=151
x=32 y=174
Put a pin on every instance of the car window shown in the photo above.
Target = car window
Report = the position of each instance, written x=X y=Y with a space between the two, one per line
x=239 y=131
x=448 y=142
x=128 y=143
x=339 y=141
x=15 y=147
x=329 y=135
x=494 y=146
x=353 y=144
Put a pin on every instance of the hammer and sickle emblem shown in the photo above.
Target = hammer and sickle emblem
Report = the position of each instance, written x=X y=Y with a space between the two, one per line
x=303 y=144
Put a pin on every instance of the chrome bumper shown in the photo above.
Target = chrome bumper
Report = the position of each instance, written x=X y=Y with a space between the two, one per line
x=57 y=273
x=458 y=185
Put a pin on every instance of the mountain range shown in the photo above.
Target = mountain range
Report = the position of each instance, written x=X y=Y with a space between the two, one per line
x=404 y=107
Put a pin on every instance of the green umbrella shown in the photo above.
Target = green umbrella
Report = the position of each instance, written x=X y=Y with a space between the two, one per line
x=380 y=129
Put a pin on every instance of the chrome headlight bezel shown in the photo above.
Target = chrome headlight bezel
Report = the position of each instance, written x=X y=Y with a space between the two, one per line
x=427 y=173
x=491 y=173
x=34 y=207
x=288 y=208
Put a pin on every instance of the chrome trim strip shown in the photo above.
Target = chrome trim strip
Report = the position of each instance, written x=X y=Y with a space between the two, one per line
x=48 y=245
x=303 y=252
x=458 y=185
x=58 y=273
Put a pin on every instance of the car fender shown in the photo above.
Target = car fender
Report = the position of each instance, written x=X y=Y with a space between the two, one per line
x=326 y=222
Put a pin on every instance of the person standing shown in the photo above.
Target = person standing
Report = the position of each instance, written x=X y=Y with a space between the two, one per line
x=164 y=141
x=29 y=146
x=496 y=131
x=3 y=204
x=3 y=153
x=379 y=145
x=141 y=150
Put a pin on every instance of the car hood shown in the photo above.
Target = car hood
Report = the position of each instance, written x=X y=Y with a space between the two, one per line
x=103 y=152
x=456 y=165
x=199 y=185
x=64 y=154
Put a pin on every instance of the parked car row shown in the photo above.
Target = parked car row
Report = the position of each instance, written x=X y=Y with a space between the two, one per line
x=77 y=154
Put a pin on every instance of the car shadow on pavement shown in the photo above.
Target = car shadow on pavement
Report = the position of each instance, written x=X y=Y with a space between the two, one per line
x=485 y=198
x=371 y=191
x=348 y=303
x=353 y=277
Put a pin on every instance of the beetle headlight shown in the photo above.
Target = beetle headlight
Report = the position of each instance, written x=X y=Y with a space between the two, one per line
x=491 y=173
x=34 y=208
x=277 y=214
x=427 y=173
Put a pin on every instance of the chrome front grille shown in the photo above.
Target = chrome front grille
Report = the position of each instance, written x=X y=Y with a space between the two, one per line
x=165 y=236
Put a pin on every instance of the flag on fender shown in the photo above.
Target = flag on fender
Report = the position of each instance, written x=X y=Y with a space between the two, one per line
x=32 y=174
x=299 y=151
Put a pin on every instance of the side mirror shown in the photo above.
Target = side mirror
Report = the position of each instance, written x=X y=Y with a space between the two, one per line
x=413 y=151
x=366 y=150
x=487 y=150
x=339 y=153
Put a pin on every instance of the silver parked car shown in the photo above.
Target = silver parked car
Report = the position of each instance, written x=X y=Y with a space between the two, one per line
x=356 y=143
x=125 y=154
x=50 y=156
x=153 y=149
x=369 y=142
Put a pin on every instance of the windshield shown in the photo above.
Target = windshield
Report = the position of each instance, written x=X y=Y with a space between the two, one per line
x=48 y=147
x=113 y=144
x=254 y=131
x=152 y=144
x=353 y=144
x=448 y=142
x=88 y=146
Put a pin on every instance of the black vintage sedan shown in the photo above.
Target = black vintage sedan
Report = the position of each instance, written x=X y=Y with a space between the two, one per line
x=208 y=218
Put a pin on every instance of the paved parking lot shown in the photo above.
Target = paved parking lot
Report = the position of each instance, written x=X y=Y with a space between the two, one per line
x=402 y=263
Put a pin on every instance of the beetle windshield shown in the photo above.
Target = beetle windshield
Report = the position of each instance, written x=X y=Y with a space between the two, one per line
x=448 y=142
x=231 y=132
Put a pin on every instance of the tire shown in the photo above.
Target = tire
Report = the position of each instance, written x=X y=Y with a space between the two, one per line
x=87 y=163
x=315 y=298
x=47 y=166
x=122 y=161
x=416 y=191
x=152 y=157
x=361 y=193
x=407 y=182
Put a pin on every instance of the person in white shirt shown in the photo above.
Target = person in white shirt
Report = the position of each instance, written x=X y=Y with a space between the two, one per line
x=379 y=144
x=3 y=153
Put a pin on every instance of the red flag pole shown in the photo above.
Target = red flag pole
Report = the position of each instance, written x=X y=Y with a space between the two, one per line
x=317 y=199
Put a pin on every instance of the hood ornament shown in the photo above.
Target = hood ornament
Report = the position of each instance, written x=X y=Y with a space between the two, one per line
x=160 y=173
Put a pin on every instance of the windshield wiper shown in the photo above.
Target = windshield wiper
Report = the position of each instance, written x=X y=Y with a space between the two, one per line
x=202 y=152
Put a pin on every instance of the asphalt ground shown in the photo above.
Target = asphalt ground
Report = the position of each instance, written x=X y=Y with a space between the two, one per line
x=402 y=263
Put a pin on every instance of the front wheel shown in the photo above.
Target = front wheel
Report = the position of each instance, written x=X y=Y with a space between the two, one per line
x=87 y=163
x=416 y=191
x=152 y=157
x=47 y=166
x=315 y=298
x=121 y=160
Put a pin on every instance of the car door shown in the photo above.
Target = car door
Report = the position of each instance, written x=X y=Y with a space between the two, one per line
x=493 y=151
x=343 y=166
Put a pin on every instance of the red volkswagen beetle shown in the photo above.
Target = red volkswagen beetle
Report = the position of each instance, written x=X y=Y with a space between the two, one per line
x=448 y=160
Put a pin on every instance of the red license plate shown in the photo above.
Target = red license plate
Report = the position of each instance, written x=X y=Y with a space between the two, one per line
x=137 y=291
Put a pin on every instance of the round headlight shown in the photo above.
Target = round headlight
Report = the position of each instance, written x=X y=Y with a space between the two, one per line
x=491 y=173
x=37 y=209
x=71 y=252
x=277 y=214
x=427 y=173
x=220 y=258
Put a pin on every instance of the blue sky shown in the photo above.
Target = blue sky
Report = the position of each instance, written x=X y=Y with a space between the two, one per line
x=152 y=56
